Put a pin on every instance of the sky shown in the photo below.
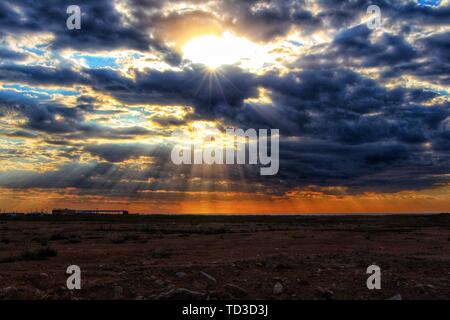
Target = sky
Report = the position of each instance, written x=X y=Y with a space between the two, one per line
x=87 y=116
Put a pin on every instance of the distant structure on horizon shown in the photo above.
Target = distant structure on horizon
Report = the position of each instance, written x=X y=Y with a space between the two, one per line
x=68 y=212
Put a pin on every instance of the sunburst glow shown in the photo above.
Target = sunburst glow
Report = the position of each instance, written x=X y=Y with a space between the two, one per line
x=227 y=49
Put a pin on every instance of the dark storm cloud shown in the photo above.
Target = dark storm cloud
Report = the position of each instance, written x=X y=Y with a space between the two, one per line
x=296 y=94
x=92 y=130
x=39 y=75
x=6 y=54
x=379 y=167
x=332 y=88
x=49 y=118
x=169 y=121
x=415 y=14
x=442 y=141
x=265 y=20
x=351 y=128
x=121 y=152
x=53 y=118
x=389 y=50
x=426 y=58
x=358 y=47
x=439 y=46
x=434 y=62
x=340 y=105
x=211 y=94
x=341 y=14
x=68 y=175
x=21 y=134
x=102 y=26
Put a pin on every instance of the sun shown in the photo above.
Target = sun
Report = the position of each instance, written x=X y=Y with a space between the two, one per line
x=227 y=49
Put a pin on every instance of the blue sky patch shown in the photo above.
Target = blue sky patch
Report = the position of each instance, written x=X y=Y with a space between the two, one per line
x=431 y=3
x=97 y=61
x=40 y=91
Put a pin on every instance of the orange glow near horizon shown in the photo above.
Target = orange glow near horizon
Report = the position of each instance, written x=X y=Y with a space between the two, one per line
x=203 y=203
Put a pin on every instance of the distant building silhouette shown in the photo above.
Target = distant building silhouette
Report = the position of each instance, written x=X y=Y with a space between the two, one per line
x=68 y=212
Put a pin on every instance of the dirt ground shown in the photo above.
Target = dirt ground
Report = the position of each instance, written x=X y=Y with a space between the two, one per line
x=209 y=257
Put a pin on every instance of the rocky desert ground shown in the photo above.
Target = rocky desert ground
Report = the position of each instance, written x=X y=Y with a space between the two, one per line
x=225 y=257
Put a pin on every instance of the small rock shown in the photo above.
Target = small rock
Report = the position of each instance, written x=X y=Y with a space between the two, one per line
x=396 y=297
x=181 y=275
x=180 y=294
x=210 y=278
x=9 y=293
x=236 y=291
x=278 y=288
x=325 y=293
x=160 y=282
x=271 y=264
x=281 y=261
x=40 y=294
x=171 y=286
x=303 y=282
x=118 y=291
x=160 y=253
